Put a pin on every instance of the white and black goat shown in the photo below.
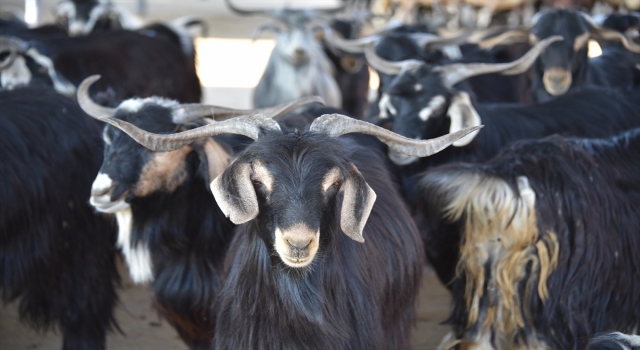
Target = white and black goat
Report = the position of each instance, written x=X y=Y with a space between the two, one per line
x=298 y=273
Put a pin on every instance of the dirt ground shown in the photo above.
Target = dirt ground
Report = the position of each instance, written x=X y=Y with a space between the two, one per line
x=143 y=329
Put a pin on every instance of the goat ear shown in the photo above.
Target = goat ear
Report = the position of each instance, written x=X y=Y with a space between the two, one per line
x=358 y=199
x=463 y=115
x=235 y=194
x=213 y=157
x=164 y=171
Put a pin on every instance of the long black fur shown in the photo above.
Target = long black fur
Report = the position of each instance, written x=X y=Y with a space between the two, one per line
x=354 y=295
x=55 y=253
x=587 y=194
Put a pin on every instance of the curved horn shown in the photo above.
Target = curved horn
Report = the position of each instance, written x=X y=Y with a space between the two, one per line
x=347 y=45
x=190 y=112
x=387 y=67
x=455 y=73
x=86 y=103
x=430 y=40
x=250 y=126
x=519 y=35
x=9 y=61
x=611 y=35
x=242 y=12
x=336 y=125
x=13 y=45
x=270 y=25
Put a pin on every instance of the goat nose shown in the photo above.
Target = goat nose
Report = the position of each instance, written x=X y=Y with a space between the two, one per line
x=298 y=246
x=299 y=52
x=557 y=79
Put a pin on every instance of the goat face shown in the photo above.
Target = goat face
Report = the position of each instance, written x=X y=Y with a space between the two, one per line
x=295 y=40
x=290 y=185
x=416 y=102
x=562 y=60
x=130 y=170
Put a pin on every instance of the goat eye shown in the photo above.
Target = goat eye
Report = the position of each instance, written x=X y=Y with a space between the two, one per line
x=337 y=183
x=256 y=182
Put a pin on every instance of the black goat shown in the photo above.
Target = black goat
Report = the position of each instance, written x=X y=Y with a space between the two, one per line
x=548 y=233
x=431 y=101
x=296 y=276
x=83 y=17
x=565 y=65
x=56 y=255
x=171 y=230
x=158 y=60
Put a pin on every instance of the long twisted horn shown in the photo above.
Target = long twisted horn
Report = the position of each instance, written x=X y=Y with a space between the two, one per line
x=250 y=126
x=455 y=73
x=86 y=103
x=388 y=67
x=436 y=41
x=336 y=125
x=611 y=35
x=189 y=112
x=518 y=35
x=347 y=45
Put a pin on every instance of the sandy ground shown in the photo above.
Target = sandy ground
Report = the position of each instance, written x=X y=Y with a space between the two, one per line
x=143 y=329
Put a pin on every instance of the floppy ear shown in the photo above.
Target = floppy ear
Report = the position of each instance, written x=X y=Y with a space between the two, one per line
x=235 y=194
x=358 y=199
x=213 y=157
x=463 y=115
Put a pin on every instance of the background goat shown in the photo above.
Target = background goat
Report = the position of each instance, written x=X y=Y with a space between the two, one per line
x=55 y=253
x=297 y=66
x=431 y=101
x=547 y=234
x=565 y=65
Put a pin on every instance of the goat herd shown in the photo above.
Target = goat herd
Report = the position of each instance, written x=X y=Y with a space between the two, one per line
x=506 y=158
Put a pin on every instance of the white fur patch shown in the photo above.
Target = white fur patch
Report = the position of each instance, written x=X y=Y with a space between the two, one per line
x=463 y=115
x=61 y=84
x=138 y=257
x=386 y=107
x=134 y=105
x=101 y=195
x=105 y=137
x=102 y=183
x=435 y=104
x=15 y=75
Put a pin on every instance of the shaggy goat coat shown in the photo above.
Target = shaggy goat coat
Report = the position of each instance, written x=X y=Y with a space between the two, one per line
x=547 y=235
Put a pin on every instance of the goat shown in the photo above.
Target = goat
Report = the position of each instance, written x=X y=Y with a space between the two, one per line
x=548 y=234
x=430 y=101
x=128 y=59
x=56 y=255
x=297 y=66
x=171 y=231
x=408 y=43
x=565 y=65
x=83 y=17
x=292 y=279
